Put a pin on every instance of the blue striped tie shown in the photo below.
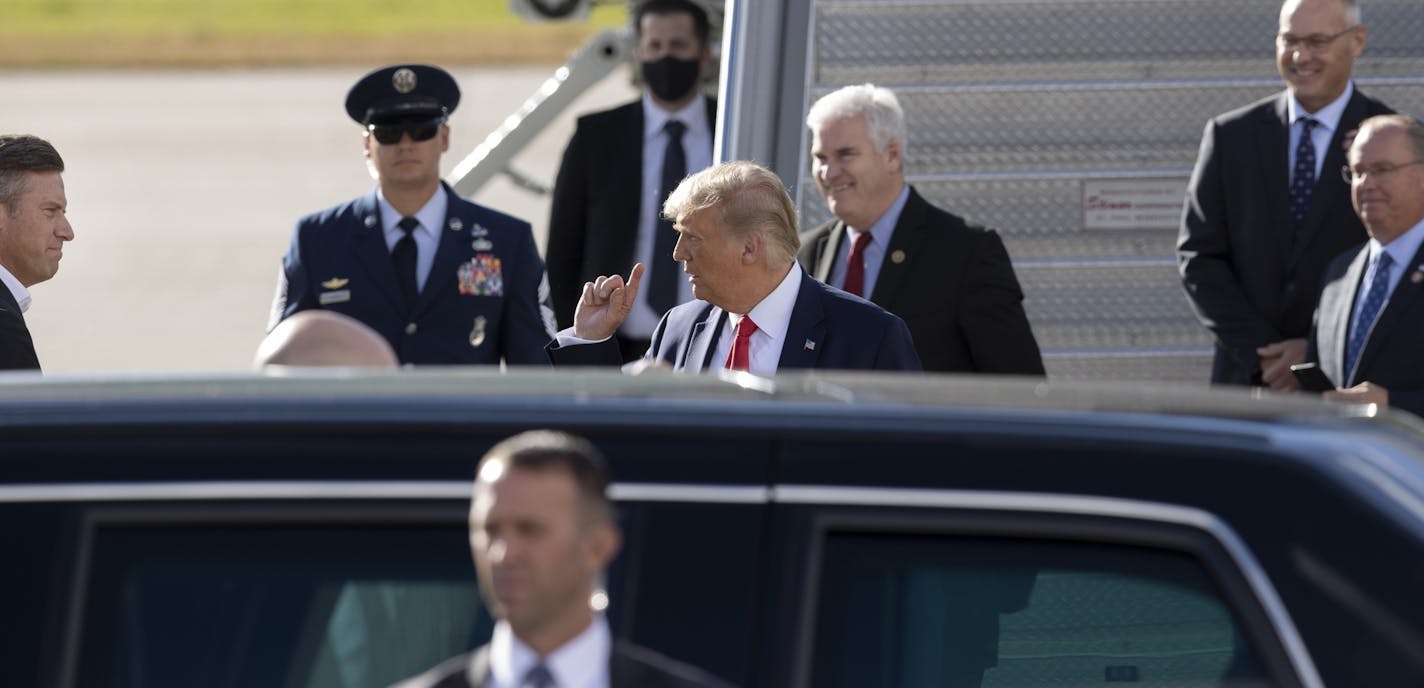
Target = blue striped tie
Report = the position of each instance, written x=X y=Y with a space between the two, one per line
x=1374 y=301
x=1303 y=176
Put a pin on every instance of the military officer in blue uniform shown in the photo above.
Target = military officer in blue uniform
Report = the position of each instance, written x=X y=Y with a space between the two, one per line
x=444 y=280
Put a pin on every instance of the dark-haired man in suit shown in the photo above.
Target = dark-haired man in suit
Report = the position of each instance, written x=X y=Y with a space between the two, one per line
x=33 y=229
x=542 y=531
x=1369 y=327
x=1265 y=210
x=620 y=165
x=755 y=309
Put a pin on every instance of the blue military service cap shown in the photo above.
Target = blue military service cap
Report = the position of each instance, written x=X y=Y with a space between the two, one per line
x=401 y=92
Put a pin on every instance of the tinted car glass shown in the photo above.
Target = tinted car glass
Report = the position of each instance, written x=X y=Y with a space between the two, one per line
x=304 y=607
x=916 y=610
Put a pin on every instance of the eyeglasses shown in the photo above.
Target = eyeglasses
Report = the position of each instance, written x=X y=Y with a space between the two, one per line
x=1314 y=43
x=423 y=130
x=1378 y=171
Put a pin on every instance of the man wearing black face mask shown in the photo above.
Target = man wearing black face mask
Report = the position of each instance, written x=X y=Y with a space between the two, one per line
x=620 y=166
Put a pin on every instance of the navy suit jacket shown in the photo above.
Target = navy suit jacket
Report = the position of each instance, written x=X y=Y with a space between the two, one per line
x=829 y=329
x=629 y=666
x=593 y=217
x=955 y=289
x=485 y=299
x=17 y=349
x=1391 y=357
x=1248 y=275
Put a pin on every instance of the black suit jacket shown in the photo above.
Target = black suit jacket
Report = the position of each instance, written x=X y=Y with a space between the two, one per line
x=482 y=302
x=17 y=349
x=829 y=329
x=593 y=219
x=955 y=288
x=1249 y=278
x=1391 y=357
x=629 y=666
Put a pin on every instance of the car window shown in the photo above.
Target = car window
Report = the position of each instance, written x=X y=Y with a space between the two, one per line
x=929 y=610
x=298 y=607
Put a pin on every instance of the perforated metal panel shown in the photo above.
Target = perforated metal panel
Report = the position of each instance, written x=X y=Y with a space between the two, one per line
x=1012 y=106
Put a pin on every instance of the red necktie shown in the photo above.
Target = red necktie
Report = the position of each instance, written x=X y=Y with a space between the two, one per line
x=739 y=358
x=855 y=265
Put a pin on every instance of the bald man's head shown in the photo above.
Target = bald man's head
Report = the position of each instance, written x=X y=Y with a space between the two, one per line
x=325 y=338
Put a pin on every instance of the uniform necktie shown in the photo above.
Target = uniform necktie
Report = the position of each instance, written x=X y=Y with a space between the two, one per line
x=1374 y=301
x=662 y=287
x=404 y=257
x=739 y=358
x=1303 y=176
x=855 y=265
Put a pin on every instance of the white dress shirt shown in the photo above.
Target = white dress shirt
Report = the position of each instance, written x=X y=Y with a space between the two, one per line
x=21 y=294
x=697 y=147
x=1329 y=120
x=427 y=235
x=772 y=316
x=580 y=663
x=880 y=232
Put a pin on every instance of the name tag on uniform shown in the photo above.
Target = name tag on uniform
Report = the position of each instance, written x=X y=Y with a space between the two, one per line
x=329 y=297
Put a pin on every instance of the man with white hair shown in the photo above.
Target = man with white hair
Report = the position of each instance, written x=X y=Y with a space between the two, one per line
x=951 y=281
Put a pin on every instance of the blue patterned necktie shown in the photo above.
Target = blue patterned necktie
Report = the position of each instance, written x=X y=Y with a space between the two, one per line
x=1303 y=176
x=1374 y=301
x=538 y=677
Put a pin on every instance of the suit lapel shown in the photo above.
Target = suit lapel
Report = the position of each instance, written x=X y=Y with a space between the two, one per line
x=372 y=254
x=1273 y=144
x=805 y=334
x=909 y=233
x=702 y=342
x=628 y=167
x=830 y=245
x=1405 y=292
x=1335 y=319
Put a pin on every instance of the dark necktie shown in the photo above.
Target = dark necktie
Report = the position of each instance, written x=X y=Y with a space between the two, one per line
x=538 y=677
x=403 y=254
x=1374 y=301
x=855 y=265
x=662 y=284
x=1303 y=176
x=740 y=357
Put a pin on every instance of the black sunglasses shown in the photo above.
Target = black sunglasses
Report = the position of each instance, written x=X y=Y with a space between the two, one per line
x=422 y=130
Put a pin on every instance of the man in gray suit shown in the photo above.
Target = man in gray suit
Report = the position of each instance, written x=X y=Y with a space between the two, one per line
x=542 y=531
x=1265 y=208
x=1369 y=327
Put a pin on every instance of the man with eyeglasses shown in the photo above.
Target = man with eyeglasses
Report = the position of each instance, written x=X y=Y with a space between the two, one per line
x=444 y=280
x=1265 y=210
x=1369 y=327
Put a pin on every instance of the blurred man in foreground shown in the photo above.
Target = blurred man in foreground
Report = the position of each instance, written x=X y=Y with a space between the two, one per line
x=542 y=531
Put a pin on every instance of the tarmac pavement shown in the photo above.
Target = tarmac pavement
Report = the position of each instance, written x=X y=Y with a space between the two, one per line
x=184 y=186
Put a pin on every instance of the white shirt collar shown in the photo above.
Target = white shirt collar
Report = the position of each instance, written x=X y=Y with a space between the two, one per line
x=694 y=115
x=1328 y=116
x=582 y=662
x=21 y=294
x=431 y=215
x=772 y=316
